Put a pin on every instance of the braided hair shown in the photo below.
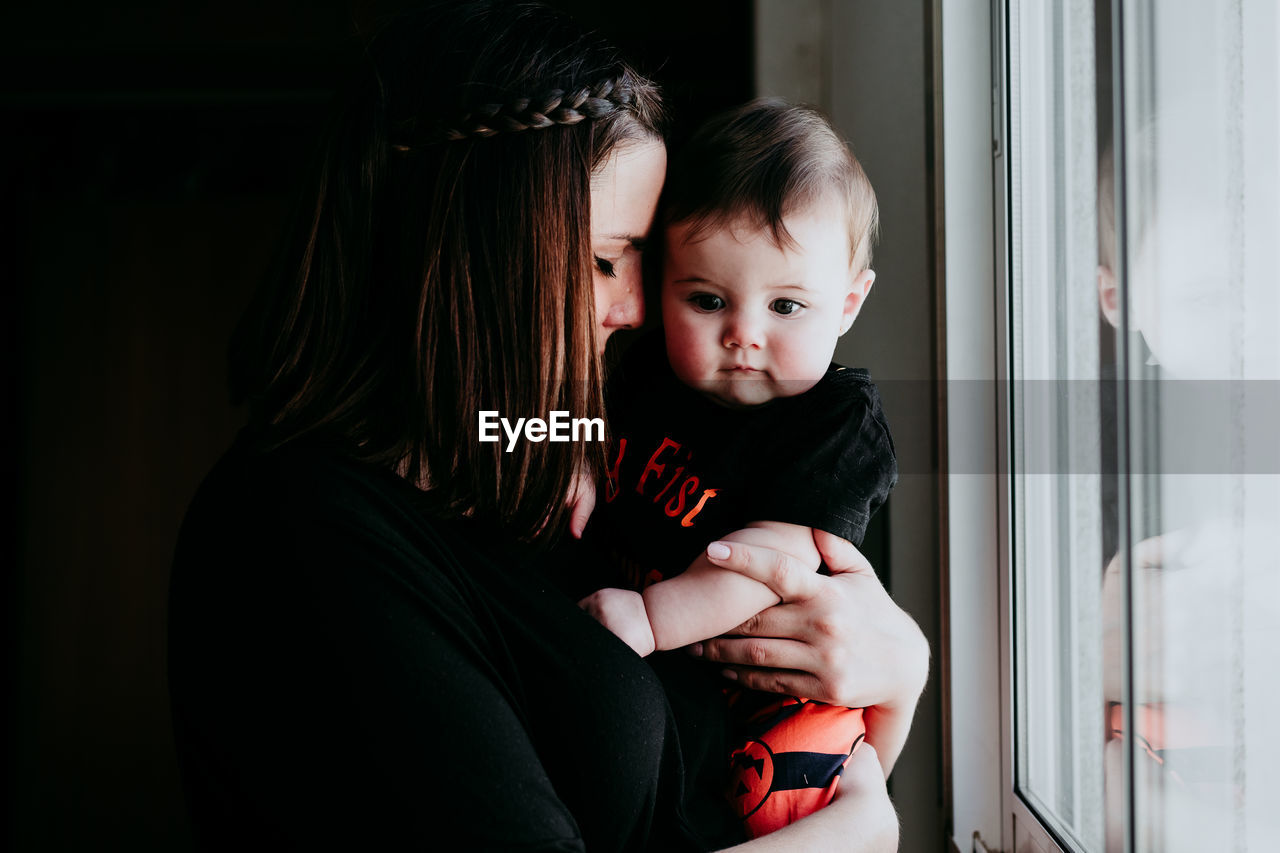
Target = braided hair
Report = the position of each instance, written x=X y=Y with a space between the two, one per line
x=603 y=100
x=553 y=108
x=442 y=264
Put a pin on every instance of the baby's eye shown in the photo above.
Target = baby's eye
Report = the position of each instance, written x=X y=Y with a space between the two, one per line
x=605 y=267
x=706 y=302
x=785 y=306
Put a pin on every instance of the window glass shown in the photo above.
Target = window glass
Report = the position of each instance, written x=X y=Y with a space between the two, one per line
x=1199 y=171
x=1054 y=409
x=1144 y=410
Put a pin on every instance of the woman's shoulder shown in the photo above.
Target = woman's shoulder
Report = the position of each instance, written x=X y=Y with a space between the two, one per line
x=309 y=484
x=306 y=515
x=296 y=474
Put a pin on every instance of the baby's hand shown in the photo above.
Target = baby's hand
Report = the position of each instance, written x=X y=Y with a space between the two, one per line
x=582 y=497
x=623 y=613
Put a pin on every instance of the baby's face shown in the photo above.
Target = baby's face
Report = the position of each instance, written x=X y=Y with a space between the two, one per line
x=748 y=321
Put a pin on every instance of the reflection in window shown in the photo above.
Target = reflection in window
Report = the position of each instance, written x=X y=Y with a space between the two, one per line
x=1198 y=168
x=1144 y=414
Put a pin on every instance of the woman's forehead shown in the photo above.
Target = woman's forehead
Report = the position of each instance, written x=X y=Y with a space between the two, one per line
x=625 y=189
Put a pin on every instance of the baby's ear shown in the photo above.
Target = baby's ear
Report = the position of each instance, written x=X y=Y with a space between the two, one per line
x=1108 y=295
x=859 y=287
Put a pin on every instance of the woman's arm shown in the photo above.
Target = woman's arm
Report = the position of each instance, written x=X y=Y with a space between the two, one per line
x=330 y=687
x=838 y=638
x=859 y=818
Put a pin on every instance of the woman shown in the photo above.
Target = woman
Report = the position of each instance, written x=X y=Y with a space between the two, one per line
x=362 y=648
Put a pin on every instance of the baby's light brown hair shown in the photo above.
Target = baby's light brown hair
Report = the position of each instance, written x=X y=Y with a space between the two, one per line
x=763 y=161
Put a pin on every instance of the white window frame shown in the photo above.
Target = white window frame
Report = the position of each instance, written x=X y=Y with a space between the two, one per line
x=987 y=814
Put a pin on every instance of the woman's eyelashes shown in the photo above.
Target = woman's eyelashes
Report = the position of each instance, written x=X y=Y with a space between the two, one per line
x=627 y=258
x=605 y=267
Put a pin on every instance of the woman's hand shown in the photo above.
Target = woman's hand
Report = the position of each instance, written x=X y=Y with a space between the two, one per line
x=838 y=638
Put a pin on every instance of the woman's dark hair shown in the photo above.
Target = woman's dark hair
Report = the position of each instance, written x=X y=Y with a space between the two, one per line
x=763 y=161
x=443 y=265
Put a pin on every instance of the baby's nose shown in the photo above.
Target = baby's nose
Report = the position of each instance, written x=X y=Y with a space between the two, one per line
x=743 y=330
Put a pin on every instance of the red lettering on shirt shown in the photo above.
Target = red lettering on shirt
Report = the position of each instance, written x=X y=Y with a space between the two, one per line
x=611 y=484
x=678 y=488
x=707 y=494
x=652 y=466
x=675 y=506
x=674 y=477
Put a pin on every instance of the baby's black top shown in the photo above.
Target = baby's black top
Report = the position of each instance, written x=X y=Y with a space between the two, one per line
x=685 y=471
x=346 y=672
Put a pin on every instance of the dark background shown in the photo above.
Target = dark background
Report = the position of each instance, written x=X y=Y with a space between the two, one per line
x=151 y=153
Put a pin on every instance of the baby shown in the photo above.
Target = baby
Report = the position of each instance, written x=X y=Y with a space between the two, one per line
x=744 y=424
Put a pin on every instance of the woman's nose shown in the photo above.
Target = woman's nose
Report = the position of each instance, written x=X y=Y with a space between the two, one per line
x=620 y=304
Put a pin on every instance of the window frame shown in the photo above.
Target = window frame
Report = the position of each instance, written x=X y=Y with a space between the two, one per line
x=969 y=175
x=987 y=812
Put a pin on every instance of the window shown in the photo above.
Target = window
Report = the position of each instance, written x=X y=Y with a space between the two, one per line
x=1054 y=410
x=1130 y=553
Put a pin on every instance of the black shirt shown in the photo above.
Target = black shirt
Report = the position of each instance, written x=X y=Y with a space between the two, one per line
x=684 y=470
x=345 y=671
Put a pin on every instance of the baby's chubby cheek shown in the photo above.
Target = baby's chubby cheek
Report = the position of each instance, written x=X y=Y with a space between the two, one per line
x=691 y=359
x=691 y=370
